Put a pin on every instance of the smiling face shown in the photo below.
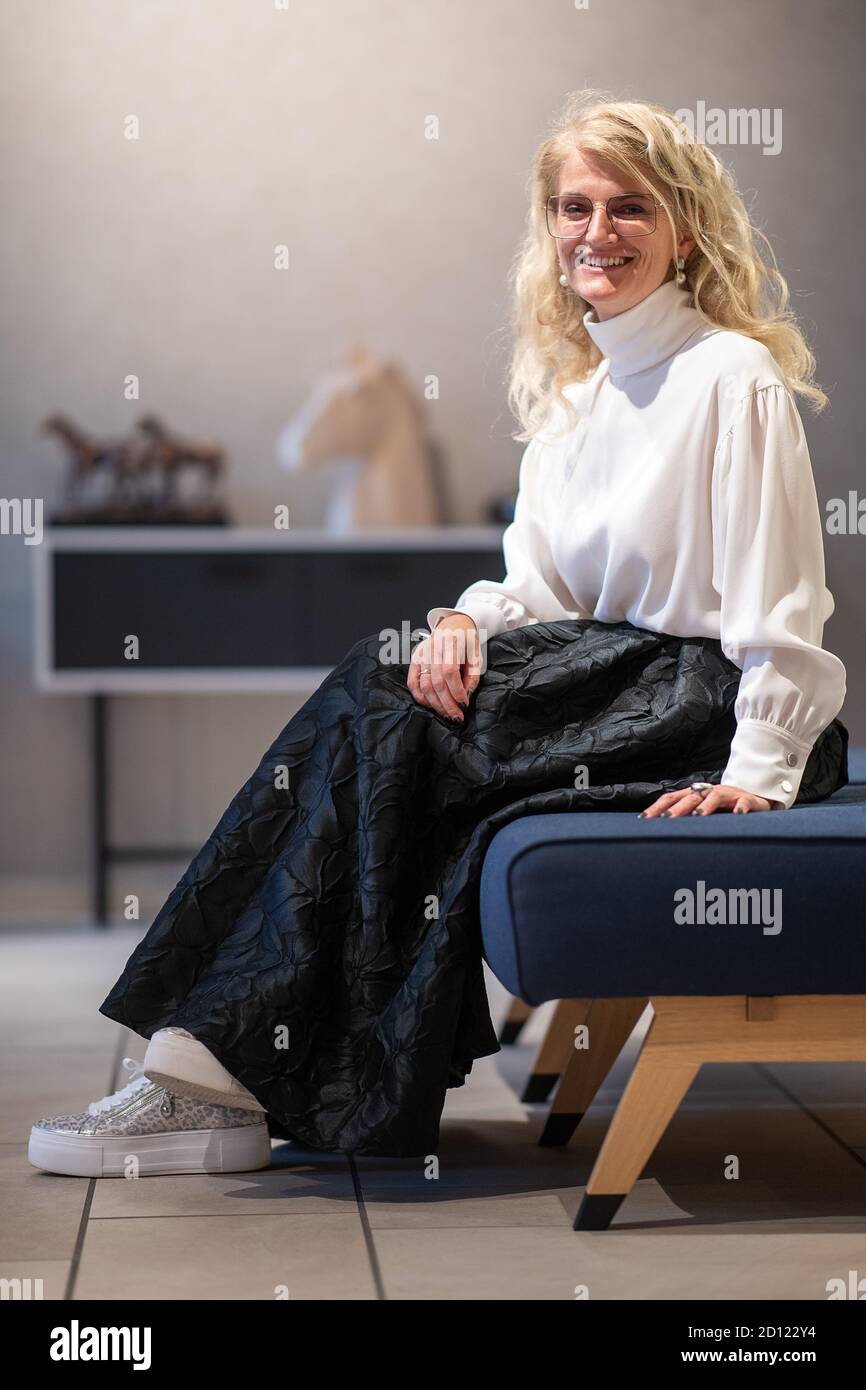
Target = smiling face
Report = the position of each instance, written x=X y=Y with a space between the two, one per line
x=649 y=259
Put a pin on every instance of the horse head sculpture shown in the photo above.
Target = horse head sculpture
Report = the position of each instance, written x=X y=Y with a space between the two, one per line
x=364 y=408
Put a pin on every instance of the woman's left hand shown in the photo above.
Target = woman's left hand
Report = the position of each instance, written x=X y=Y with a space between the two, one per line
x=685 y=802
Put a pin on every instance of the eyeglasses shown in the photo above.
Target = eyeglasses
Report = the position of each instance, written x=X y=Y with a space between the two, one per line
x=630 y=214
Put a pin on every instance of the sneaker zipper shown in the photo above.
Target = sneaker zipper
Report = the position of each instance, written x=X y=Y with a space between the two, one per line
x=166 y=1107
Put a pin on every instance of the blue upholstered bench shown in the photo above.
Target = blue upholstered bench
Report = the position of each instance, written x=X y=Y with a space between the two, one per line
x=606 y=912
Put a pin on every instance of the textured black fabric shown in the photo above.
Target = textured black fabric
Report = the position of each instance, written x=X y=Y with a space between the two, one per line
x=344 y=909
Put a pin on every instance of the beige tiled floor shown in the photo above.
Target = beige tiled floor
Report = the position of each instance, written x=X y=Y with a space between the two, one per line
x=494 y=1224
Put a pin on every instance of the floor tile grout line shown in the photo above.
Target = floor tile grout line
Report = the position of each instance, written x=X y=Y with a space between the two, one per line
x=218 y=1215
x=816 y=1119
x=368 y=1233
x=79 y=1242
x=91 y=1185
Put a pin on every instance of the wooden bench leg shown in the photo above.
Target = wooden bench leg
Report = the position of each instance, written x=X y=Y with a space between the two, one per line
x=518 y=1013
x=648 y=1103
x=555 y=1050
x=610 y=1023
x=685 y=1033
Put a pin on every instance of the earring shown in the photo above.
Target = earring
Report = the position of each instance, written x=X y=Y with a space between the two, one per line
x=681 y=275
x=563 y=280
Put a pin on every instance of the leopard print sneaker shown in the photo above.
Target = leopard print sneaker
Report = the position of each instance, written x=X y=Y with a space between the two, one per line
x=144 y=1130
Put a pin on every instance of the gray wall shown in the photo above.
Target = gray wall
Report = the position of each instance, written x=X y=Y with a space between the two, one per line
x=155 y=257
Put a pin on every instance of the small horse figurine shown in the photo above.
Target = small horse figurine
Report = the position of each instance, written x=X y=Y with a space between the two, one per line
x=169 y=455
x=88 y=457
x=366 y=408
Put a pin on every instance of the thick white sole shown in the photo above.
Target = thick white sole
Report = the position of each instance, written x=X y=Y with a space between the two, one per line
x=240 y=1150
x=185 y=1066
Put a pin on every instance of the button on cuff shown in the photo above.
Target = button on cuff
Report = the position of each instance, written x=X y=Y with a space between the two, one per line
x=760 y=761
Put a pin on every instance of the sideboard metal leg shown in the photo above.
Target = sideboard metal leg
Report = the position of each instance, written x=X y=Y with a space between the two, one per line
x=99 y=792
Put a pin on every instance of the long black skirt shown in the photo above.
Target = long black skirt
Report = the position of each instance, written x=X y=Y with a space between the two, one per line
x=324 y=943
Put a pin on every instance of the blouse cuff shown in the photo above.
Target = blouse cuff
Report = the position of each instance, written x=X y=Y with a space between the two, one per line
x=489 y=619
x=766 y=761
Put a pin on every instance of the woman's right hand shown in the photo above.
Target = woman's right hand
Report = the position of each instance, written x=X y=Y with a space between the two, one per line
x=446 y=666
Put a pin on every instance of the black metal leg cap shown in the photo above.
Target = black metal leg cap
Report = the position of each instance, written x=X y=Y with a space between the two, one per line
x=597 y=1211
x=539 y=1087
x=558 y=1130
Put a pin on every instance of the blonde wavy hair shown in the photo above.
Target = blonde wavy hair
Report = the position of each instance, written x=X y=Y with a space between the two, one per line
x=731 y=286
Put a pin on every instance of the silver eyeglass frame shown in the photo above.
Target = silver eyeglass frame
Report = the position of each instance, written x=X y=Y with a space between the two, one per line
x=604 y=203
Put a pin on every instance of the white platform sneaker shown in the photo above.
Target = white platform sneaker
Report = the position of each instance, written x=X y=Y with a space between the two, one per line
x=146 y=1129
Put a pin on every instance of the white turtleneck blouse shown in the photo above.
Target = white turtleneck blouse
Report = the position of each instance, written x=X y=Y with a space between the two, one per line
x=682 y=501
